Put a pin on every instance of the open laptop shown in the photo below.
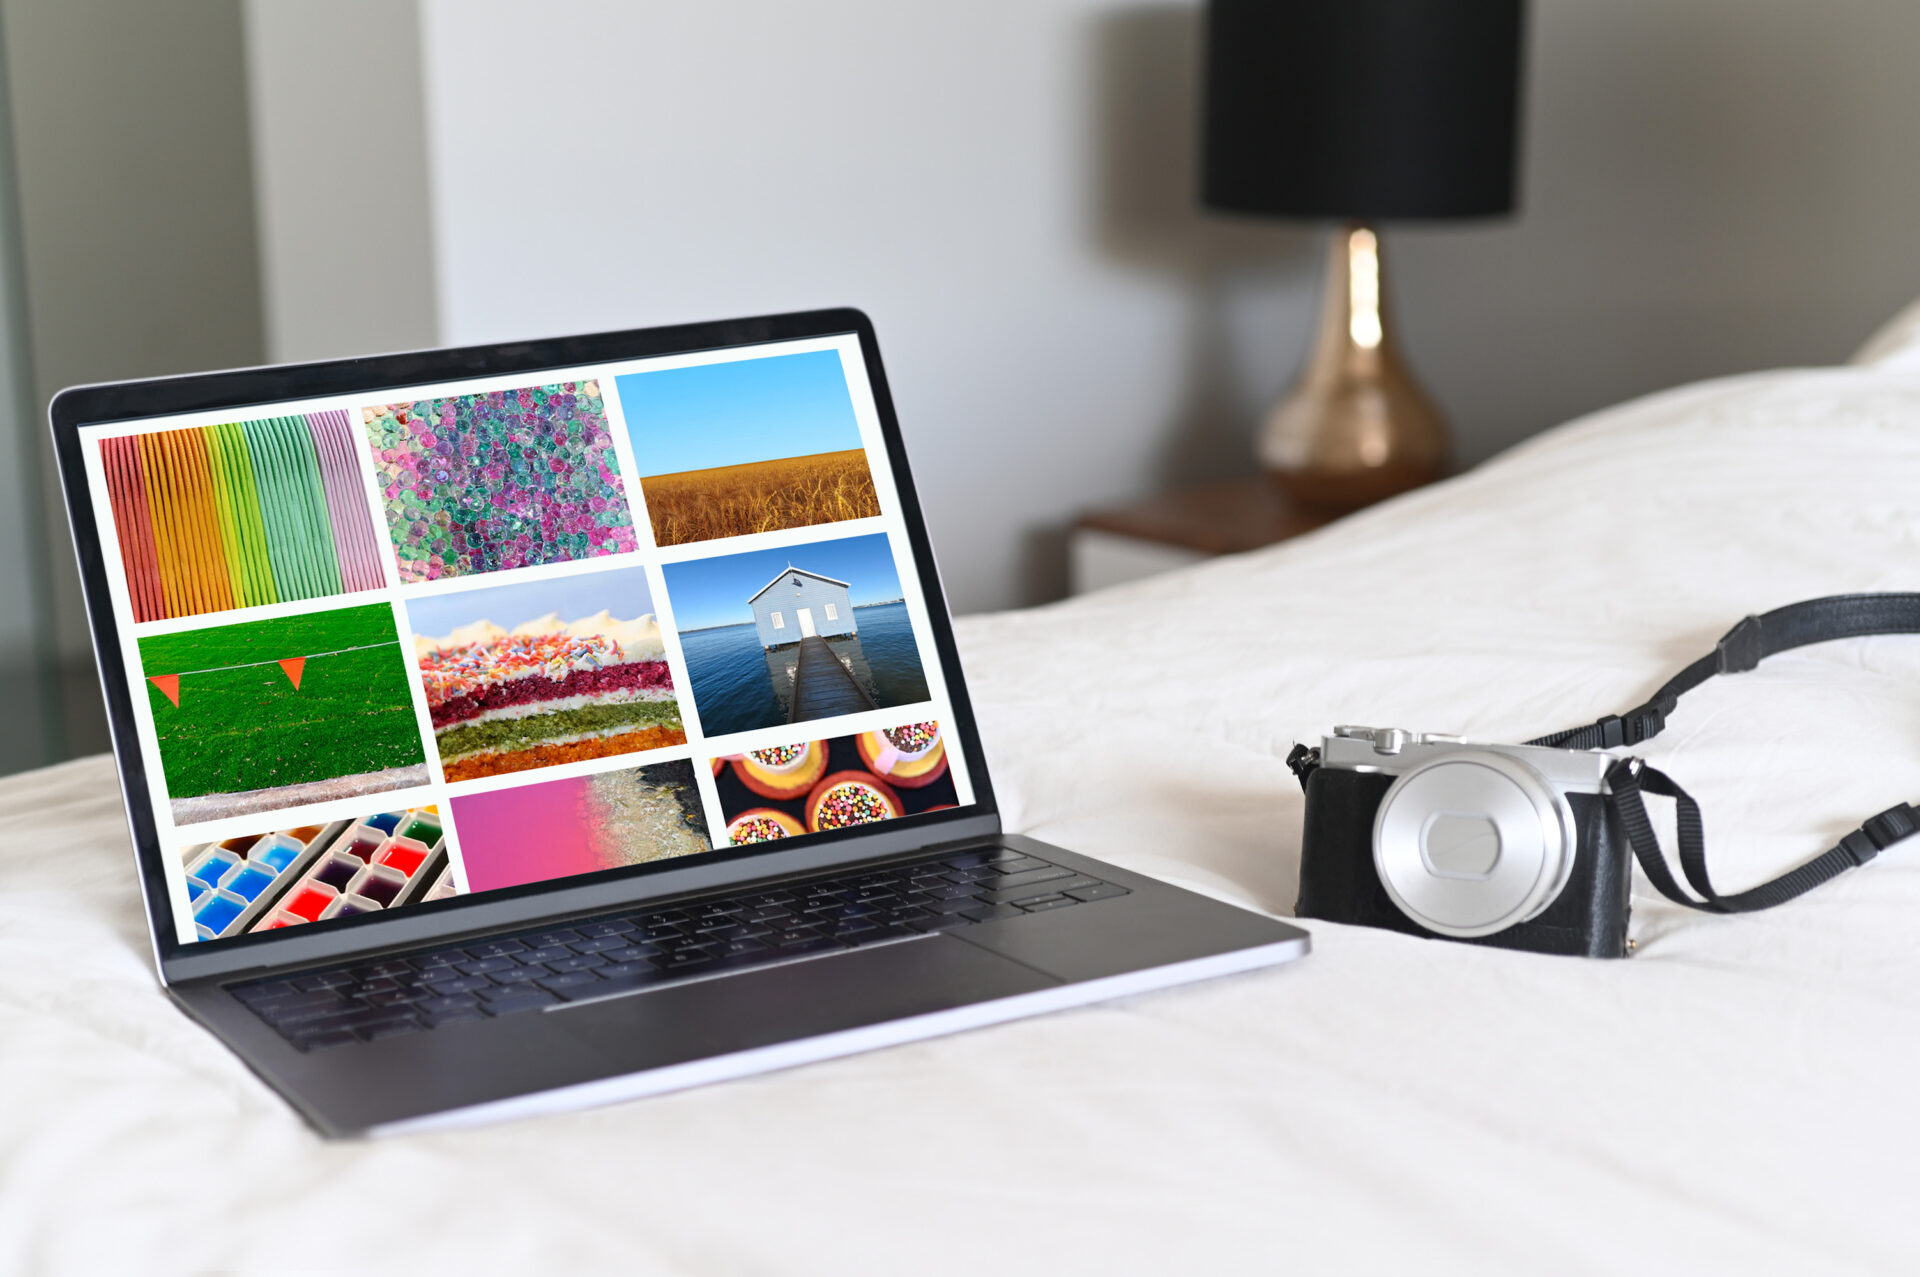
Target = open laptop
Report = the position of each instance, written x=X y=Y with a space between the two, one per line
x=536 y=725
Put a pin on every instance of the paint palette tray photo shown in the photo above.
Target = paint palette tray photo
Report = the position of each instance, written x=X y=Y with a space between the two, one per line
x=260 y=882
x=382 y=861
x=230 y=883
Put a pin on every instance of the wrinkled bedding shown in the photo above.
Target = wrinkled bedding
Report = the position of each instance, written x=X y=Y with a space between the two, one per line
x=1737 y=1097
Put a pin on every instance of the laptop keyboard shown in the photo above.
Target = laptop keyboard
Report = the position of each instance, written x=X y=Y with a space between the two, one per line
x=688 y=940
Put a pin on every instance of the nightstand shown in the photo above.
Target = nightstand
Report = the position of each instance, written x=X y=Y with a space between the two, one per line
x=1181 y=527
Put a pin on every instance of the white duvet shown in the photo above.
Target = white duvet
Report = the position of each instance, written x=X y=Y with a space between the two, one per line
x=1738 y=1097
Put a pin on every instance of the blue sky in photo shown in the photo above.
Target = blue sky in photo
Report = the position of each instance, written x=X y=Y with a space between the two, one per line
x=729 y=414
x=710 y=592
x=622 y=591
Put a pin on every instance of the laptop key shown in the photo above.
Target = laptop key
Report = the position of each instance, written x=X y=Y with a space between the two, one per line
x=568 y=982
x=441 y=1006
x=459 y=984
x=519 y=975
x=596 y=930
x=495 y=948
x=523 y=999
x=632 y=953
x=279 y=1014
x=1045 y=903
x=547 y=953
x=388 y=1029
x=388 y=998
x=325 y=980
x=940 y=922
x=577 y=962
x=324 y=1038
x=686 y=960
x=256 y=993
x=1048 y=874
x=434 y=1019
x=989 y=913
x=1098 y=891
x=1031 y=890
x=545 y=938
x=485 y=965
x=954 y=905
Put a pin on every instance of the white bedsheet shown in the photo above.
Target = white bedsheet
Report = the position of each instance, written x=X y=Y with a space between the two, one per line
x=1739 y=1097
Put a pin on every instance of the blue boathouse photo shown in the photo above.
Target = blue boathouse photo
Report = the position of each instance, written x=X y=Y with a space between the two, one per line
x=799 y=604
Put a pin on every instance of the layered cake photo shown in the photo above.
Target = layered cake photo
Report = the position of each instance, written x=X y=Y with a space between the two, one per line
x=546 y=690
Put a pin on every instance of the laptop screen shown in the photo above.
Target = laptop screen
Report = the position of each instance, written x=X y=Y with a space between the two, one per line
x=415 y=643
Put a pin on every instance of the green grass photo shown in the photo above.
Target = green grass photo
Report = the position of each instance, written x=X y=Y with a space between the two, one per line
x=273 y=714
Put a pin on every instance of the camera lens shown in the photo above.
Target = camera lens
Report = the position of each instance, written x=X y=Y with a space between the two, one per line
x=1473 y=842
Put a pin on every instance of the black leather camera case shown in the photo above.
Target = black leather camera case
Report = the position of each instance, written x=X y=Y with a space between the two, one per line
x=1338 y=882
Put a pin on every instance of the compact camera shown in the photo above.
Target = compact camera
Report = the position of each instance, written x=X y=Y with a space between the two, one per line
x=1433 y=835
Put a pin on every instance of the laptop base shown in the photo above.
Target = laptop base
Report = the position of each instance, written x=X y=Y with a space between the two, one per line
x=573 y=1055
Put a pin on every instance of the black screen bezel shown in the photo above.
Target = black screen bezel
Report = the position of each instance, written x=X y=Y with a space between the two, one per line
x=250 y=389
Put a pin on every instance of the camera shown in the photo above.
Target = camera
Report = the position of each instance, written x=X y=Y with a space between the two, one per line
x=1437 y=836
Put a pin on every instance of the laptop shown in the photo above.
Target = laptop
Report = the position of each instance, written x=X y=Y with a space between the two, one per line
x=522 y=727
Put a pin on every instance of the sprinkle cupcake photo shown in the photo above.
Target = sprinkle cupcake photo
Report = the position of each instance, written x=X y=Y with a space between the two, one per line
x=546 y=672
x=819 y=786
x=745 y=446
x=500 y=480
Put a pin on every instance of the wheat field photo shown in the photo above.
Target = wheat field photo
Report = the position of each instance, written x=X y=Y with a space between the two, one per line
x=760 y=496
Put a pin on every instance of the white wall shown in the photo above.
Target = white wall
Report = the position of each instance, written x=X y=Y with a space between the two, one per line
x=1004 y=185
x=605 y=165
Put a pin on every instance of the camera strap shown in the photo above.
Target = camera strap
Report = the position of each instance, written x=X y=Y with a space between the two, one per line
x=1743 y=647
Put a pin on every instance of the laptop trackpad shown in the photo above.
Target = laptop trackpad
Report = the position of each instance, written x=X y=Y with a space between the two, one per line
x=799 y=1000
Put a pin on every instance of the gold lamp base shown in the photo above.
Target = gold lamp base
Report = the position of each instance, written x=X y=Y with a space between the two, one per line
x=1357 y=428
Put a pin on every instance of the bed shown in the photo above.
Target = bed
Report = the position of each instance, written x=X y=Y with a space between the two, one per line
x=1736 y=1097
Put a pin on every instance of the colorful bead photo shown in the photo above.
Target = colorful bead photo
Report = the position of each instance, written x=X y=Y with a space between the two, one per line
x=506 y=479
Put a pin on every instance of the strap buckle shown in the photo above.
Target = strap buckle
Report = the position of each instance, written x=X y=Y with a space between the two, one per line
x=1638 y=725
x=1881 y=832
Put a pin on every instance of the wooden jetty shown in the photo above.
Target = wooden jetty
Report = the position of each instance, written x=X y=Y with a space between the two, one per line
x=822 y=687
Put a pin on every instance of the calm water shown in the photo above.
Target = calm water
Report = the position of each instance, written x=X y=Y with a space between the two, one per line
x=733 y=692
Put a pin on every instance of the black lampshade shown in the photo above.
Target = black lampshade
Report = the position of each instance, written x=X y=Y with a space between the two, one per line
x=1361 y=109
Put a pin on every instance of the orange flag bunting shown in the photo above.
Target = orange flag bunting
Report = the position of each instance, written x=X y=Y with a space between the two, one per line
x=169 y=685
x=293 y=666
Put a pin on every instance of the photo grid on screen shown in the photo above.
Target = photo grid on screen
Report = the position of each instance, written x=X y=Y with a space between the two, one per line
x=396 y=647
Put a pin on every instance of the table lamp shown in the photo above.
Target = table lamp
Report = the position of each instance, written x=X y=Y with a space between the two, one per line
x=1359 y=111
